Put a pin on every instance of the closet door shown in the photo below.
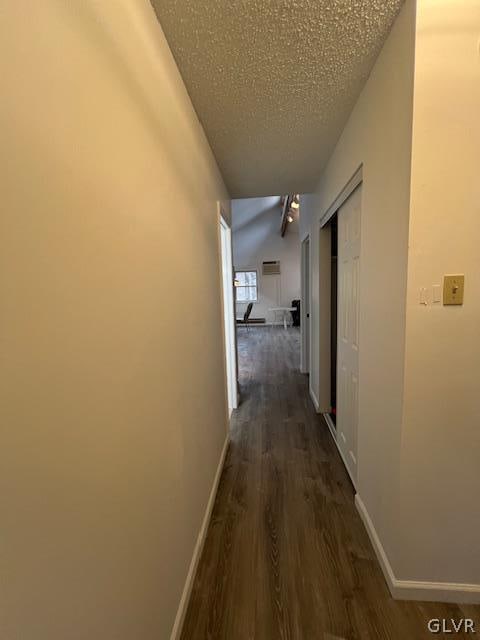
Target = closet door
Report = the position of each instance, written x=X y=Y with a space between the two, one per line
x=349 y=216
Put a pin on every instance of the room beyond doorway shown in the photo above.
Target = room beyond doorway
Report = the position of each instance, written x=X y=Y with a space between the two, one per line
x=266 y=257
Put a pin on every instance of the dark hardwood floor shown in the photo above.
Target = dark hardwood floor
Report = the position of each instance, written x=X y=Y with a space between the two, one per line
x=286 y=555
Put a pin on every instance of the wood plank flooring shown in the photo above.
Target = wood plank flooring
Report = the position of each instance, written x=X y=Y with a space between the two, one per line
x=286 y=555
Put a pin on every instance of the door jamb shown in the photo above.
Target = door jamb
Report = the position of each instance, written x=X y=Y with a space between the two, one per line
x=304 y=356
x=228 y=316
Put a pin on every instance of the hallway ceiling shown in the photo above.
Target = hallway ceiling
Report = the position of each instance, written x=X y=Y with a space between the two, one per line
x=273 y=81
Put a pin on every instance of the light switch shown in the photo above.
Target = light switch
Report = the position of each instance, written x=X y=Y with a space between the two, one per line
x=423 y=295
x=437 y=293
x=453 y=287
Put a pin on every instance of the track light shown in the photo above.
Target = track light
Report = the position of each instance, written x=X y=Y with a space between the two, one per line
x=295 y=204
x=289 y=218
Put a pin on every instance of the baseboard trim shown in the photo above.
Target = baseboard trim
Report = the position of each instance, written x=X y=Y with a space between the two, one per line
x=377 y=545
x=314 y=398
x=197 y=552
x=412 y=589
x=256 y=325
x=328 y=420
x=331 y=428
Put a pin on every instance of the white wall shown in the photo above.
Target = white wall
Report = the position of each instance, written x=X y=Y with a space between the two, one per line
x=377 y=136
x=440 y=480
x=256 y=237
x=111 y=431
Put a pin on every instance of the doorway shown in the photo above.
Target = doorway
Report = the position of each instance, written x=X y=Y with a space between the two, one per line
x=333 y=317
x=305 y=307
x=340 y=290
x=228 y=314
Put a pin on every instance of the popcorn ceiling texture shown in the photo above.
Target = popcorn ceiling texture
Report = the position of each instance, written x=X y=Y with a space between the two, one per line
x=273 y=81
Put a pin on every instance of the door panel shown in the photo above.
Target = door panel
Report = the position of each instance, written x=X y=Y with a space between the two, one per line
x=349 y=218
x=229 y=314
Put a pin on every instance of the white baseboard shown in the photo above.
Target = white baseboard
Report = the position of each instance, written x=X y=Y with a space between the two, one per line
x=314 y=398
x=333 y=433
x=331 y=428
x=265 y=324
x=413 y=589
x=197 y=552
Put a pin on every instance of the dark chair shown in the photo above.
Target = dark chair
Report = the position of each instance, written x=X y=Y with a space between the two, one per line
x=296 y=313
x=247 y=313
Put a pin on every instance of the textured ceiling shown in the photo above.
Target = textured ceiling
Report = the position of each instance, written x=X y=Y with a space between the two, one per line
x=273 y=81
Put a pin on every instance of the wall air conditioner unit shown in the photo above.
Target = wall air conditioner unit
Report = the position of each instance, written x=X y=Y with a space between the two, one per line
x=271 y=267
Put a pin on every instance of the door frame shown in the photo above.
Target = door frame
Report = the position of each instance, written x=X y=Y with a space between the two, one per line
x=306 y=293
x=344 y=194
x=325 y=303
x=228 y=315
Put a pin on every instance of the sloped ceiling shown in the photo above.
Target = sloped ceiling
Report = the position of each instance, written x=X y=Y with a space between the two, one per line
x=273 y=81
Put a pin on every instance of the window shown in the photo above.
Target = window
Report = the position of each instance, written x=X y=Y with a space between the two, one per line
x=246 y=286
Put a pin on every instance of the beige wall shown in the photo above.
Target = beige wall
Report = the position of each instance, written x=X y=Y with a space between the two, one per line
x=110 y=430
x=377 y=136
x=440 y=481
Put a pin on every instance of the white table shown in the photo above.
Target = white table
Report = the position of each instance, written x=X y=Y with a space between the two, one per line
x=285 y=311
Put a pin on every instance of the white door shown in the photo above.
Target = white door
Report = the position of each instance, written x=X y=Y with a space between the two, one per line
x=228 y=314
x=305 y=308
x=349 y=216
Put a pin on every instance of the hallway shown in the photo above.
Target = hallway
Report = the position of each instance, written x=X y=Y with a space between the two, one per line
x=286 y=555
x=170 y=168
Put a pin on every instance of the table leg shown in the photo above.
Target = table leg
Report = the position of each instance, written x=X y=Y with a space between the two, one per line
x=285 y=320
